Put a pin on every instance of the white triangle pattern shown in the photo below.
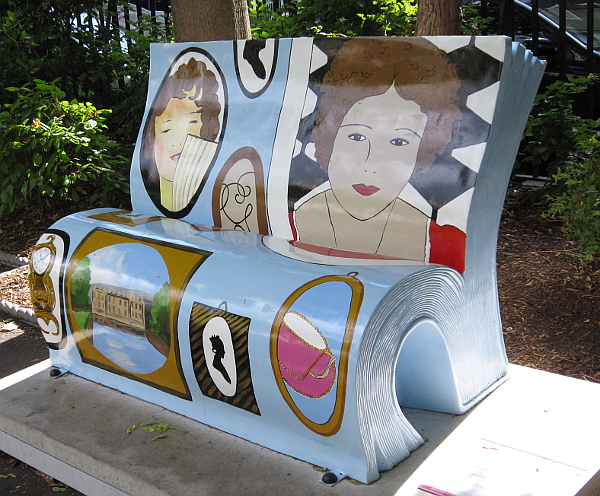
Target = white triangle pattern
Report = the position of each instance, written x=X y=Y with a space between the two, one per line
x=319 y=59
x=310 y=102
x=449 y=43
x=456 y=212
x=411 y=196
x=310 y=151
x=483 y=102
x=495 y=46
x=470 y=155
x=297 y=148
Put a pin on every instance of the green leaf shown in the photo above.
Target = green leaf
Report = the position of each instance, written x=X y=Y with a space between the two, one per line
x=131 y=429
x=37 y=159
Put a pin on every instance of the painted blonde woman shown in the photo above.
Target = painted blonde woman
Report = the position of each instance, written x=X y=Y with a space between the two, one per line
x=387 y=109
x=180 y=137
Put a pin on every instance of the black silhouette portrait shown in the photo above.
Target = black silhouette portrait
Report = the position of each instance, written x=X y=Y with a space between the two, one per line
x=219 y=350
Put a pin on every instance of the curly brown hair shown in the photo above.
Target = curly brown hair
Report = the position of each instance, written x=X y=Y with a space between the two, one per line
x=367 y=67
x=178 y=85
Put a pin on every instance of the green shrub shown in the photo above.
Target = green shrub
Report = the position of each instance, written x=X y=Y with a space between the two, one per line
x=472 y=23
x=333 y=18
x=553 y=130
x=342 y=18
x=41 y=40
x=104 y=63
x=578 y=202
x=569 y=147
x=53 y=150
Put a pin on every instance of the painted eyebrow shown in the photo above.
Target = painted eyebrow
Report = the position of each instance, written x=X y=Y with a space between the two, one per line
x=361 y=125
x=409 y=130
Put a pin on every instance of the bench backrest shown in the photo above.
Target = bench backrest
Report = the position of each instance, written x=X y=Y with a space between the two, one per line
x=365 y=148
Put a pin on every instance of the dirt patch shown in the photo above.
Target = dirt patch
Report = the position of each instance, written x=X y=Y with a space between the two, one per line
x=13 y=286
x=550 y=309
x=18 y=478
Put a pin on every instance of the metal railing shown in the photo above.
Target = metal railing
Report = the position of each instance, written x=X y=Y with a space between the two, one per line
x=122 y=15
x=564 y=32
x=575 y=22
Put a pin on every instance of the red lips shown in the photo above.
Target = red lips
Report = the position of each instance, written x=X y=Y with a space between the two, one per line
x=175 y=158
x=365 y=190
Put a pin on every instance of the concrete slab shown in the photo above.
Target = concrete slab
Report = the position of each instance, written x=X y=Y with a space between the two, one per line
x=536 y=435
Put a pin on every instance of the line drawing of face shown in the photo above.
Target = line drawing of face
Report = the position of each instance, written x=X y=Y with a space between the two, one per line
x=181 y=118
x=375 y=152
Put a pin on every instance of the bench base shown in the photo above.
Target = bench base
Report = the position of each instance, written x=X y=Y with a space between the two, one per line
x=541 y=427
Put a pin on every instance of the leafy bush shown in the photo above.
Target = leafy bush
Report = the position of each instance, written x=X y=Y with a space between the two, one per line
x=553 y=130
x=472 y=22
x=342 y=18
x=578 y=202
x=333 y=18
x=53 y=150
x=131 y=67
x=99 y=62
x=569 y=146
x=40 y=40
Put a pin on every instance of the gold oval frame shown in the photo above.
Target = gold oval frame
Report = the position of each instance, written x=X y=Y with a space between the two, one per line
x=333 y=425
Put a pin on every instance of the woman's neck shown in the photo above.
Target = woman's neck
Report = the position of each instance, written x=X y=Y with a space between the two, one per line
x=355 y=234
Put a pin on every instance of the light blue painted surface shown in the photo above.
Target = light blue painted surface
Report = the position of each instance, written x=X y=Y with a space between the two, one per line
x=421 y=335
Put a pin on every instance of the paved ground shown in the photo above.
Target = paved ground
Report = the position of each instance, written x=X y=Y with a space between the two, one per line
x=21 y=346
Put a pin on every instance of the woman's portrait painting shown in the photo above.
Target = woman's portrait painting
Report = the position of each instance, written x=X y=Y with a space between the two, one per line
x=386 y=109
x=182 y=132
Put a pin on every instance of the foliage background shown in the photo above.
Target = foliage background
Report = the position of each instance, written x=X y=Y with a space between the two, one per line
x=72 y=94
x=73 y=87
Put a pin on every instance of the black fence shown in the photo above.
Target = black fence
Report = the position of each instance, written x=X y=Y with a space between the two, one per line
x=566 y=33
x=567 y=24
x=122 y=15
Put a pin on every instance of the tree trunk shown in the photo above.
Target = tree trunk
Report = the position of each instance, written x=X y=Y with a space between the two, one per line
x=206 y=20
x=438 y=18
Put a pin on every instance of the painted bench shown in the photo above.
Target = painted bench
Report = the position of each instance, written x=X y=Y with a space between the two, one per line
x=312 y=244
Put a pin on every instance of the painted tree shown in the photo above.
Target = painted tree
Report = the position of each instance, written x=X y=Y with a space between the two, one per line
x=160 y=322
x=438 y=17
x=80 y=285
x=206 y=20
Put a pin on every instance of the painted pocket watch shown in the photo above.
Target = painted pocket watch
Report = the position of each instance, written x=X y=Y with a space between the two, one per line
x=43 y=296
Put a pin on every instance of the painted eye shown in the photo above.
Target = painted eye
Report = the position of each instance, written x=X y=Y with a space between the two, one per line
x=165 y=131
x=399 y=142
x=357 y=137
x=193 y=122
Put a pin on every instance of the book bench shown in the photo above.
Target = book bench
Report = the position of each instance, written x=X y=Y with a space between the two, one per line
x=312 y=242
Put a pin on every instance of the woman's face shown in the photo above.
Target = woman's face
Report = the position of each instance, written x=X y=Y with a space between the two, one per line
x=180 y=118
x=374 y=153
